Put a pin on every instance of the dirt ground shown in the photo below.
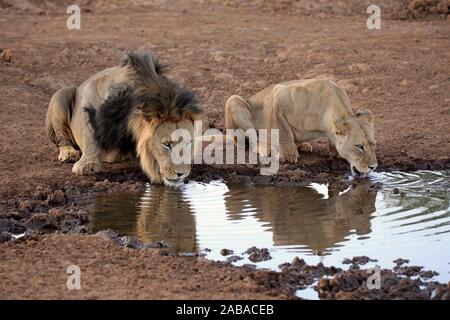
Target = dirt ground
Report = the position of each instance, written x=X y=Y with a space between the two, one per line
x=36 y=269
x=401 y=73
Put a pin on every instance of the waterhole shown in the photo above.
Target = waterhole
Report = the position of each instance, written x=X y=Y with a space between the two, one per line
x=408 y=217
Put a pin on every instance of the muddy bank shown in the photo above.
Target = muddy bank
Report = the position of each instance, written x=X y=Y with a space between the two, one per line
x=61 y=209
x=36 y=269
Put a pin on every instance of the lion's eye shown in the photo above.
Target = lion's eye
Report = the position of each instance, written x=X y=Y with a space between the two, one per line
x=359 y=147
x=167 y=145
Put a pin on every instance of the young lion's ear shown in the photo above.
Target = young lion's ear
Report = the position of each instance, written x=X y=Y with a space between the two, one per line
x=341 y=126
x=365 y=115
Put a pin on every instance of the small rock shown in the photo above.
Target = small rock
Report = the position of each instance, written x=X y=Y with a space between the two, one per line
x=6 y=55
x=82 y=214
x=102 y=185
x=130 y=242
x=323 y=284
x=404 y=82
x=258 y=255
x=360 y=260
x=234 y=258
x=5 y=236
x=25 y=205
x=347 y=261
x=188 y=254
x=41 y=193
x=433 y=87
x=57 y=197
x=358 y=67
x=226 y=252
x=56 y=213
x=354 y=267
x=409 y=271
x=108 y=233
x=428 y=274
x=77 y=229
x=395 y=191
x=400 y=261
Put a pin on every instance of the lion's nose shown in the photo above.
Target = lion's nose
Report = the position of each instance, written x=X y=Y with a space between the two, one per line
x=179 y=174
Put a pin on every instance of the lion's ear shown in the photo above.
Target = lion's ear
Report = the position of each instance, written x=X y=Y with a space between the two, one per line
x=365 y=115
x=341 y=126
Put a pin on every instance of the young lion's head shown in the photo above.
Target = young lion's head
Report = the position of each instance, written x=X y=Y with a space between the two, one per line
x=356 y=143
x=142 y=117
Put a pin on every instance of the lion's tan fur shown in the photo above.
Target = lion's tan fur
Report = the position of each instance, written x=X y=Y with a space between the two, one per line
x=305 y=110
x=149 y=107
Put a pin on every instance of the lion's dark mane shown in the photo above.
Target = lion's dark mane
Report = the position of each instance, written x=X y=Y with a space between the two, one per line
x=150 y=93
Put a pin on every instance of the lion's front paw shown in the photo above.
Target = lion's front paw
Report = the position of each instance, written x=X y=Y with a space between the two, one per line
x=290 y=156
x=68 y=154
x=305 y=147
x=86 y=167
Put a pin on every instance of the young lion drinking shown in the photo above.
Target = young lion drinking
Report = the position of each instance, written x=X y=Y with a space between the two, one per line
x=305 y=110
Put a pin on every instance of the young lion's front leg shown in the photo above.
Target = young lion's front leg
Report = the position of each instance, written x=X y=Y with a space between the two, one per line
x=288 y=147
x=90 y=161
x=288 y=152
x=332 y=149
x=240 y=115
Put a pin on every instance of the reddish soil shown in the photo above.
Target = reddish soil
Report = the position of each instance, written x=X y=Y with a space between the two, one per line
x=401 y=73
x=36 y=269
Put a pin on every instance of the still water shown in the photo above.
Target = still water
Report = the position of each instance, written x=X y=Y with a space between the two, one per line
x=409 y=217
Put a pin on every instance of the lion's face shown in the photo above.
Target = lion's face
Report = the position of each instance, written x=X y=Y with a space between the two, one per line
x=356 y=143
x=155 y=153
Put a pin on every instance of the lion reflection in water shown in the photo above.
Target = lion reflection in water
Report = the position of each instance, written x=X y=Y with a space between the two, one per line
x=160 y=214
x=296 y=216
x=165 y=214
x=302 y=216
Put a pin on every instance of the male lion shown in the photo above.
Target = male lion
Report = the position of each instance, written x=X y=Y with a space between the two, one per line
x=305 y=110
x=129 y=109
